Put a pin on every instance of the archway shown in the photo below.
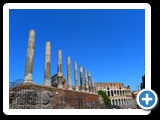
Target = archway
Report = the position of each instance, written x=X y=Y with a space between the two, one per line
x=117 y=92
x=116 y=102
x=119 y=101
x=120 y=93
x=113 y=102
x=109 y=93
x=124 y=101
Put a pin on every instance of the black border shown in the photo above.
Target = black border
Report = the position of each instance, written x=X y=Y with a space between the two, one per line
x=155 y=64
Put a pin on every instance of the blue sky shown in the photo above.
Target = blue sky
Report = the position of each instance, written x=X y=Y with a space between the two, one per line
x=110 y=44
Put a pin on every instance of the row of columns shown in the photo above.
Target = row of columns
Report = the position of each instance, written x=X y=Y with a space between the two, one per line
x=120 y=101
x=84 y=76
x=115 y=93
x=86 y=82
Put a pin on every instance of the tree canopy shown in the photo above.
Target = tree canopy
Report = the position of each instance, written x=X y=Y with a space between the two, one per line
x=105 y=97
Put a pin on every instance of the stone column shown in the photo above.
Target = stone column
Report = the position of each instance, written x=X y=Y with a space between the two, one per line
x=59 y=74
x=93 y=90
x=117 y=102
x=76 y=76
x=69 y=73
x=47 y=64
x=90 y=82
x=86 y=80
x=121 y=101
x=30 y=58
x=124 y=93
x=96 y=89
x=81 y=79
x=111 y=102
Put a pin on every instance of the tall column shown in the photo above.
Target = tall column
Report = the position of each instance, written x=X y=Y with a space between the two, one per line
x=76 y=76
x=121 y=101
x=115 y=102
x=81 y=79
x=124 y=93
x=47 y=64
x=30 y=58
x=118 y=102
x=86 y=80
x=93 y=90
x=69 y=73
x=90 y=82
x=111 y=102
x=96 y=88
x=59 y=74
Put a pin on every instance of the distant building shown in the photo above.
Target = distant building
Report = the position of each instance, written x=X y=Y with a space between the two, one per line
x=135 y=94
x=117 y=93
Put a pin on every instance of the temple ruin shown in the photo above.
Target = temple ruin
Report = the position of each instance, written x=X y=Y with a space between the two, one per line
x=60 y=90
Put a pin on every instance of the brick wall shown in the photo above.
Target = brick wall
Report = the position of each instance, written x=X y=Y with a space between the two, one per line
x=72 y=98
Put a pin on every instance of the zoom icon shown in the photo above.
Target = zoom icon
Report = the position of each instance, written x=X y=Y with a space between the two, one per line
x=147 y=99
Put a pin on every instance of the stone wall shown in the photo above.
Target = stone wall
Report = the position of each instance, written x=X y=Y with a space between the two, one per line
x=32 y=96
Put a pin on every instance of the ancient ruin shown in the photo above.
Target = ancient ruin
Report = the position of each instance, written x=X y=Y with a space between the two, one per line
x=29 y=58
x=47 y=64
x=117 y=92
x=57 y=91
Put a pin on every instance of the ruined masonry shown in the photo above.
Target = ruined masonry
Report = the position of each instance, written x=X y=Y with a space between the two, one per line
x=57 y=92
x=29 y=58
x=58 y=80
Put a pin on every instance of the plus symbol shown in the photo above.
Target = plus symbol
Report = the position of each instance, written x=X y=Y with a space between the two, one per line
x=147 y=99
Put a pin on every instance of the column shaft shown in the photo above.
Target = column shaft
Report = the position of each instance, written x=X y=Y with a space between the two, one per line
x=81 y=79
x=86 y=80
x=47 y=64
x=59 y=70
x=69 y=73
x=90 y=82
x=30 y=58
x=93 y=90
x=76 y=76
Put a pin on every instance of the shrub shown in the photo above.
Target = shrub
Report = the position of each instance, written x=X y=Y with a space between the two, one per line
x=105 y=97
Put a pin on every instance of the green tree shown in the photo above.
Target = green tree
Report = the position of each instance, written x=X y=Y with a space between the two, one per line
x=143 y=82
x=105 y=97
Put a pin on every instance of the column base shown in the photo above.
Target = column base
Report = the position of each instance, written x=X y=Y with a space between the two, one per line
x=77 y=89
x=87 y=91
x=47 y=85
x=28 y=82
x=70 y=89
x=60 y=86
x=82 y=90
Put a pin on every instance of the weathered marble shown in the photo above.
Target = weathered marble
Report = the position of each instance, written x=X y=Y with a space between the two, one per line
x=30 y=58
x=47 y=64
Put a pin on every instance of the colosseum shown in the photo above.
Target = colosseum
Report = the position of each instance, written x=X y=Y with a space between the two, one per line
x=117 y=92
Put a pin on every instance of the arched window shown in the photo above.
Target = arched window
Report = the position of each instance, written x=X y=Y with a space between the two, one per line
x=108 y=93
x=113 y=102
x=111 y=92
x=117 y=92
